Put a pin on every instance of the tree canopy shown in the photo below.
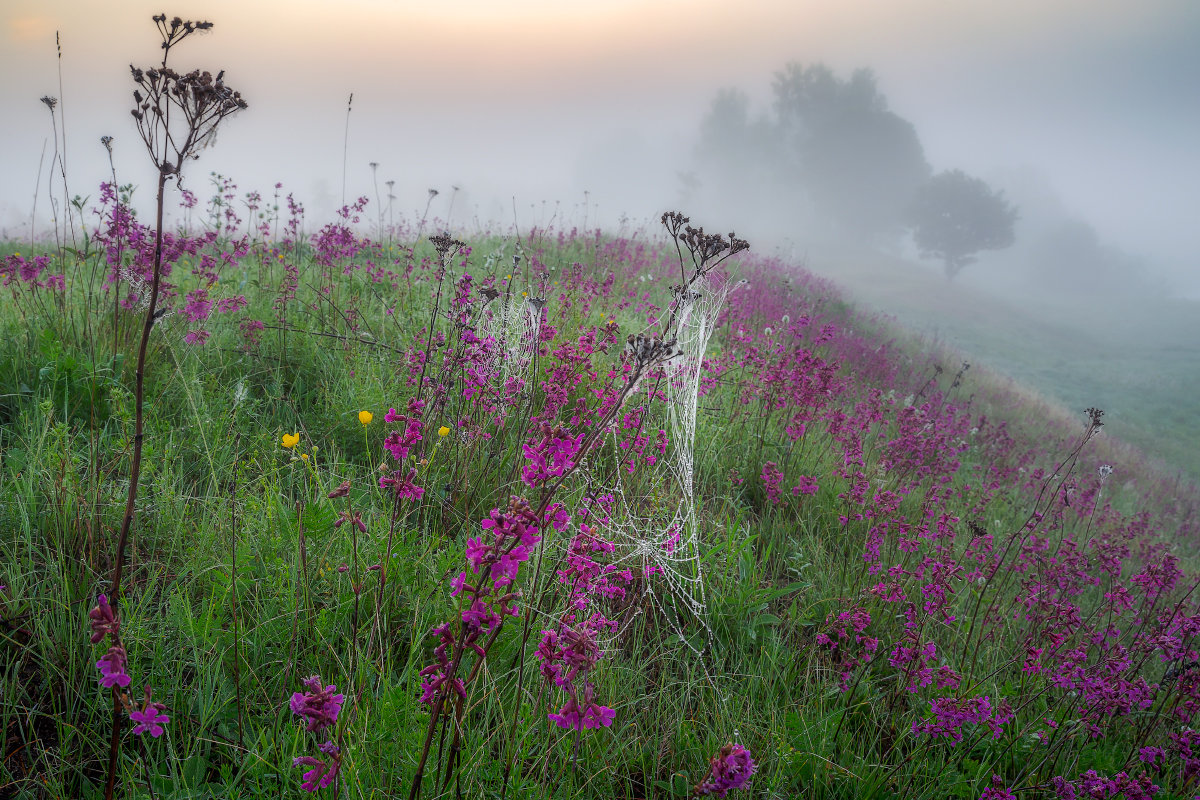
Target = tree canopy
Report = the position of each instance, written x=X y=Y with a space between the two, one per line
x=827 y=143
x=954 y=216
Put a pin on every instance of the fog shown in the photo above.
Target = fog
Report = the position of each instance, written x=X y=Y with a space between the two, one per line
x=591 y=112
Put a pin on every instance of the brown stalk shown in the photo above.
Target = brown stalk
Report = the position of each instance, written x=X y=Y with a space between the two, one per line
x=202 y=103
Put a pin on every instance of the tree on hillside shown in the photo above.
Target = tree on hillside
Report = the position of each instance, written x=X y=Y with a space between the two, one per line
x=827 y=152
x=954 y=216
x=860 y=163
x=731 y=144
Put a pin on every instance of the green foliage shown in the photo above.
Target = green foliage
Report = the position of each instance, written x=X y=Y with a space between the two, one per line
x=955 y=216
x=218 y=486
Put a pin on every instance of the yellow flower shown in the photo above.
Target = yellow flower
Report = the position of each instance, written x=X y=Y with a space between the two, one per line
x=442 y=431
x=290 y=440
x=304 y=456
x=365 y=417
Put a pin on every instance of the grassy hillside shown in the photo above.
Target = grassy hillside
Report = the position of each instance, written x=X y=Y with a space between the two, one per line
x=517 y=517
x=1136 y=356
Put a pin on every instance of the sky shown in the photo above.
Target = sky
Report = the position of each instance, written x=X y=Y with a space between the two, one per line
x=525 y=104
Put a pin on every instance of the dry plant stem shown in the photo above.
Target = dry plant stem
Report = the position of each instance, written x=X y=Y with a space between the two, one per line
x=357 y=586
x=346 y=145
x=237 y=677
x=37 y=185
x=376 y=624
x=291 y=662
x=433 y=320
x=63 y=159
x=135 y=470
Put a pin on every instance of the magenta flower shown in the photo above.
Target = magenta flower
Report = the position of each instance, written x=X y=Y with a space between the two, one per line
x=103 y=620
x=149 y=717
x=586 y=713
x=403 y=485
x=112 y=667
x=322 y=774
x=805 y=485
x=319 y=705
x=730 y=768
x=997 y=791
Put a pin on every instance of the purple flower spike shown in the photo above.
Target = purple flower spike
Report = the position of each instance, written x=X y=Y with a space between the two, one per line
x=112 y=668
x=103 y=620
x=730 y=768
x=321 y=774
x=580 y=713
x=319 y=705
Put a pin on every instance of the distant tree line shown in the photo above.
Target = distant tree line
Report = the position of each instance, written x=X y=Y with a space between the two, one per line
x=831 y=149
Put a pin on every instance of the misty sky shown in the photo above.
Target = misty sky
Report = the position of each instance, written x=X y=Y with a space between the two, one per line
x=541 y=99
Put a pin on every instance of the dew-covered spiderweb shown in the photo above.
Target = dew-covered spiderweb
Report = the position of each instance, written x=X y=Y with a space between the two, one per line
x=513 y=322
x=657 y=534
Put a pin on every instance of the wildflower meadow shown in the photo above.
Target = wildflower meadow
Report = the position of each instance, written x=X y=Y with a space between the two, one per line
x=332 y=508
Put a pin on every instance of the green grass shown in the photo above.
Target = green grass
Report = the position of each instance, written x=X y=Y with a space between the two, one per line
x=216 y=479
x=1137 y=356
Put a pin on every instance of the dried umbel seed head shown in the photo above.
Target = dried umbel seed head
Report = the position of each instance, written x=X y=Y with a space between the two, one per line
x=1094 y=424
x=443 y=243
x=537 y=303
x=107 y=142
x=706 y=250
x=673 y=221
x=50 y=102
x=649 y=351
x=200 y=102
x=489 y=294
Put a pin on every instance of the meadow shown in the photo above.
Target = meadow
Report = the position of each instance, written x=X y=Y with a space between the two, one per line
x=1135 y=354
x=348 y=509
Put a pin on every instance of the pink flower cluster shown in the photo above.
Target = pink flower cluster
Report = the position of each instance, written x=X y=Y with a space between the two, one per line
x=318 y=706
x=150 y=717
x=731 y=768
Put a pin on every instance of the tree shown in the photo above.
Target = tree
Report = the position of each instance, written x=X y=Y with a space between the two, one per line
x=860 y=163
x=954 y=216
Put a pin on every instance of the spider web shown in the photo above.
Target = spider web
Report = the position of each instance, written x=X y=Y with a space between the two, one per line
x=514 y=323
x=651 y=533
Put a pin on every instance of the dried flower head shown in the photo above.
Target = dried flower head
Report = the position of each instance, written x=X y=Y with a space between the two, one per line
x=178 y=114
x=444 y=243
